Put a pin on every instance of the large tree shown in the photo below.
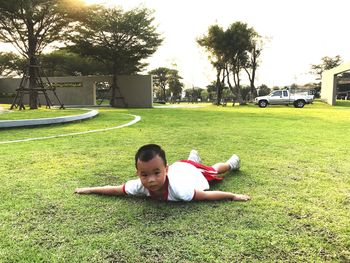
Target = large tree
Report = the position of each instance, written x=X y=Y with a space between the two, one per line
x=32 y=25
x=161 y=80
x=252 y=62
x=175 y=85
x=166 y=79
x=231 y=51
x=122 y=39
x=238 y=41
x=214 y=44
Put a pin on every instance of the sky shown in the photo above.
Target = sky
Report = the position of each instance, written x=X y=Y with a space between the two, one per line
x=297 y=33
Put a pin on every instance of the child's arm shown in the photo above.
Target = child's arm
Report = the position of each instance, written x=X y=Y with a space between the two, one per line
x=103 y=190
x=219 y=195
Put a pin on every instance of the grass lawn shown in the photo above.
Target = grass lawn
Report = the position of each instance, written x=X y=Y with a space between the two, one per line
x=295 y=165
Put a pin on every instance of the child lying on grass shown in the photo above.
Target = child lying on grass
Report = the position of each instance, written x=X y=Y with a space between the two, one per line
x=185 y=180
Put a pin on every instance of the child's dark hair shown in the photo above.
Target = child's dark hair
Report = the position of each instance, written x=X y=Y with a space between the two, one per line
x=148 y=152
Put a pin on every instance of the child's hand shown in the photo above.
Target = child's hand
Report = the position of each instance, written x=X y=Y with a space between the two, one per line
x=81 y=191
x=239 y=197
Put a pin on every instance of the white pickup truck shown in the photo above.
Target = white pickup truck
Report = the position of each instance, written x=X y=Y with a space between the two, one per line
x=284 y=97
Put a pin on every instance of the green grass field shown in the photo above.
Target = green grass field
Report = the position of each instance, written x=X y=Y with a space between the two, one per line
x=295 y=165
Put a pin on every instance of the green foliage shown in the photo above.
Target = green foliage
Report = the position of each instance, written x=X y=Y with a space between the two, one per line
x=64 y=63
x=263 y=90
x=117 y=38
x=11 y=64
x=164 y=78
x=238 y=41
x=121 y=40
x=327 y=63
x=31 y=25
x=160 y=81
x=204 y=95
x=214 y=43
x=194 y=94
x=294 y=165
x=232 y=50
x=175 y=85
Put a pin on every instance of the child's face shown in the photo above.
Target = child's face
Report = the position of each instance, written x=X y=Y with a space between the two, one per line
x=152 y=173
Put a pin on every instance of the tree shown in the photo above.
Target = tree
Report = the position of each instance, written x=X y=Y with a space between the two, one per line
x=166 y=79
x=204 y=95
x=214 y=44
x=175 y=85
x=32 y=25
x=263 y=90
x=117 y=38
x=252 y=62
x=231 y=51
x=327 y=63
x=160 y=80
x=211 y=88
x=238 y=40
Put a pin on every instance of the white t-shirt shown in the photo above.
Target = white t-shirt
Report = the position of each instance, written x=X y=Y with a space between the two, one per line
x=183 y=178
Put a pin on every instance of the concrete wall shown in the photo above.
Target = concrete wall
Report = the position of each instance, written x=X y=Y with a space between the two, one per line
x=329 y=83
x=81 y=90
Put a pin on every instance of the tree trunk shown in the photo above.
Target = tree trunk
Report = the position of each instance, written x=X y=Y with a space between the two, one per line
x=113 y=101
x=229 y=82
x=33 y=69
x=164 y=93
x=33 y=75
x=238 y=88
x=218 y=87
x=253 y=93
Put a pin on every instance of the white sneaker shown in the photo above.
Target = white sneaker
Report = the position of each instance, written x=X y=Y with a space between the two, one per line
x=234 y=162
x=194 y=156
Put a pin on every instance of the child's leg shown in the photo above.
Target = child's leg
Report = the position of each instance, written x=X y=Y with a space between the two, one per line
x=233 y=163
x=194 y=156
x=221 y=167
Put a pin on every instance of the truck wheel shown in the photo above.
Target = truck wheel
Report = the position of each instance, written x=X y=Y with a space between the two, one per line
x=262 y=103
x=299 y=104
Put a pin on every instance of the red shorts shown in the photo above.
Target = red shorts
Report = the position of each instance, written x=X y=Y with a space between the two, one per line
x=208 y=172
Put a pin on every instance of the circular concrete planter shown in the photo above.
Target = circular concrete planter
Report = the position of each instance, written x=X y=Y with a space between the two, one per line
x=47 y=121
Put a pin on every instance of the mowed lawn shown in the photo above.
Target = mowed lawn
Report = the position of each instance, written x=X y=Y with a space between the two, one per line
x=295 y=165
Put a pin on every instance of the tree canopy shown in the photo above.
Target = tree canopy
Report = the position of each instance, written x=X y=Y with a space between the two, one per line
x=32 y=25
x=118 y=38
x=326 y=63
x=166 y=78
x=65 y=63
x=214 y=43
x=231 y=51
